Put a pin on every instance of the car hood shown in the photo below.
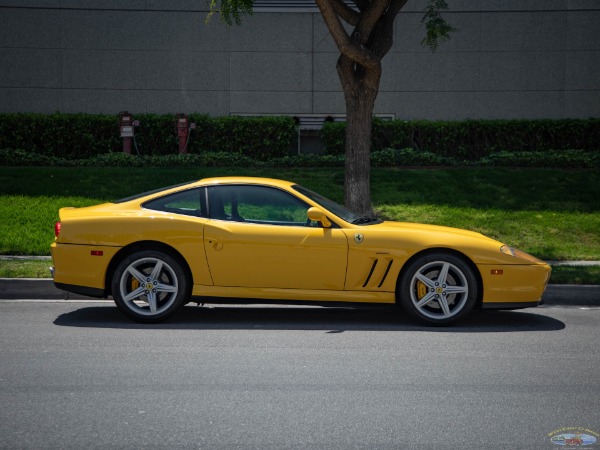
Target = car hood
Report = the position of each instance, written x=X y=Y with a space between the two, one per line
x=409 y=226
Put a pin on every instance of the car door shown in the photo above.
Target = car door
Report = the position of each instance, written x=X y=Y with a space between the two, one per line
x=260 y=237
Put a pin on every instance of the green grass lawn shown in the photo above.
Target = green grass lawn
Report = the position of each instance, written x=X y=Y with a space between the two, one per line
x=552 y=213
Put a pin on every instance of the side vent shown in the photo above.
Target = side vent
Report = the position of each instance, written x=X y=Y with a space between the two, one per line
x=372 y=272
x=387 y=270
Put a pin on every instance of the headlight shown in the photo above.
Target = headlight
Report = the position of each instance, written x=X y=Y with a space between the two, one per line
x=510 y=251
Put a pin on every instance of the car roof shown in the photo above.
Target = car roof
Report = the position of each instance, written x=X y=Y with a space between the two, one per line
x=245 y=180
x=145 y=196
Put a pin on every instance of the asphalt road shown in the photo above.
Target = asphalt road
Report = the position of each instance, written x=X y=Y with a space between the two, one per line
x=79 y=375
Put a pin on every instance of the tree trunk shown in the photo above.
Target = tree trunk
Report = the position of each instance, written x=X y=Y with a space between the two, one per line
x=357 y=184
x=361 y=86
x=359 y=69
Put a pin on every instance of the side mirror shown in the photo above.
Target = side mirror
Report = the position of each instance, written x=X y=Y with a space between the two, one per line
x=318 y=215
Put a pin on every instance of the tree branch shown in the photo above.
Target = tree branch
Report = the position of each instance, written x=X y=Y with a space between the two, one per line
x=383 y=33
x=345 y=44
x=346 y=13
x=369 y=19
x=361 y=4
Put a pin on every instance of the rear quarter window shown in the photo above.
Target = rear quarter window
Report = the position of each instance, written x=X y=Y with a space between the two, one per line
x=188 y=203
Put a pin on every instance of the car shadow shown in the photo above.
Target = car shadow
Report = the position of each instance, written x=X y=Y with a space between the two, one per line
x=329 y=320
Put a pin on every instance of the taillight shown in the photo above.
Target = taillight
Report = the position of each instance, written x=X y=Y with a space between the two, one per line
x=56 y=229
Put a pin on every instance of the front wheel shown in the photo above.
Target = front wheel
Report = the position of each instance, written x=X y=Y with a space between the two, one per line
x=438 y=289
x=150 y=286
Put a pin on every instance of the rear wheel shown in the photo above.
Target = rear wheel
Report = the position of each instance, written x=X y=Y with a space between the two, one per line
x=150 y=286
x=438 y=289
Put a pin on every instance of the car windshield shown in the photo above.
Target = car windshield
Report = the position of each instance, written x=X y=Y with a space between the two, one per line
x=338 y=210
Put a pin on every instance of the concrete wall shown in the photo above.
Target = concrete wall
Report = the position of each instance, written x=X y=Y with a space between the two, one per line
x=510 y=59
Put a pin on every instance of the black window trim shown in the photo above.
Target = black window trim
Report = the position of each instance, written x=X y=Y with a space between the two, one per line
x=252 y=222
x=203 y=204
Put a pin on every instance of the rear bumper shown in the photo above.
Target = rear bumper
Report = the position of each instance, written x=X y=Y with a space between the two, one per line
x=82 y=290
x=81 y=266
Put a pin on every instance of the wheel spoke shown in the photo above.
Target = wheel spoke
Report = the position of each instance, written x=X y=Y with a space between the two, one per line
x=443 y=301
x=423 y=279
x=456 y=289
x=137 y=274
x=152 y=302
x=165 y=288
x=443 y=275
x=134 y=294
x=426 y=299
x=157 y=270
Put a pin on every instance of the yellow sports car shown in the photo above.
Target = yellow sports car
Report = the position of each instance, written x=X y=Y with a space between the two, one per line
x=270 y=240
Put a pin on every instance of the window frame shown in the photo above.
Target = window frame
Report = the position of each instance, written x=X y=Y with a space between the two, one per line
x=201 y=193
x=210 y=191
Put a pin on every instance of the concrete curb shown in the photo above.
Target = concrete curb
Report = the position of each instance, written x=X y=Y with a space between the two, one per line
x=34 y=288
x=44 y=289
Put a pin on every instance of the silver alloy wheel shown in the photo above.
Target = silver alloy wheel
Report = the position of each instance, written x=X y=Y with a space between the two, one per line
x=148 y=286
x=439 y=290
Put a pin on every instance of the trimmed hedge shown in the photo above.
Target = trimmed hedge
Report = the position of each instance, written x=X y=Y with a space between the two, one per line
x=60 y=135
x=82 y=136
x=471 y=140
x=77 y=136
x=383 y=158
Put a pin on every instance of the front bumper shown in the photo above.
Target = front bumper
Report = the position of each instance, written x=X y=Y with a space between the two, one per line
x=514 y=285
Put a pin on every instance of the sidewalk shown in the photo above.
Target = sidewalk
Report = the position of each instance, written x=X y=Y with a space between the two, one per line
x=43 y=288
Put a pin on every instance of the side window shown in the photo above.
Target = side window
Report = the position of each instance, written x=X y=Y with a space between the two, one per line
x=256 y=204
x=187 y=202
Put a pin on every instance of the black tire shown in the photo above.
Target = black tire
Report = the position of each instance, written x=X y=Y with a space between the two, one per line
x=438 y=289
x=150 y=286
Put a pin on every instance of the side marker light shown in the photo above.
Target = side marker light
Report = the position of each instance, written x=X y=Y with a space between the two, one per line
x=97 y=253
x=497 y=272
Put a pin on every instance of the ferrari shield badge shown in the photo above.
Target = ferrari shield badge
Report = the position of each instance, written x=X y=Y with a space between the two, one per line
x=358 y=238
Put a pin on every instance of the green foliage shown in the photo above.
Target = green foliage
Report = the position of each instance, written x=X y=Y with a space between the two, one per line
x=50 y=140
x=437 y=28
x=61 y=135
x=409 y=157
x=80 y=136
x=551 y=158
x=389 y=157
x=333 y=136
x=230 y=10
x=575 y=275
x=308 y=161
x=260 y=138
x=471 y=140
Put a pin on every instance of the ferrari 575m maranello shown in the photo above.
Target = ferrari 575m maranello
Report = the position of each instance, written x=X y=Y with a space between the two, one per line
x=257 y=239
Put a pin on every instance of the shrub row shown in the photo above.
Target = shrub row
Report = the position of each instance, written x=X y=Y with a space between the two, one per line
x=77 y=136
x=84 y=135
x=473 y=139
x=383 y=158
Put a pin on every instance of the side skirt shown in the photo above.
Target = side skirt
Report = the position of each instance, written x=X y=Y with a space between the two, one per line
x=519 y=305
x=292 y=295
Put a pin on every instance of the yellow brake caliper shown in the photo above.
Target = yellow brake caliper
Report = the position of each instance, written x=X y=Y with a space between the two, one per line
x=421 y=289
